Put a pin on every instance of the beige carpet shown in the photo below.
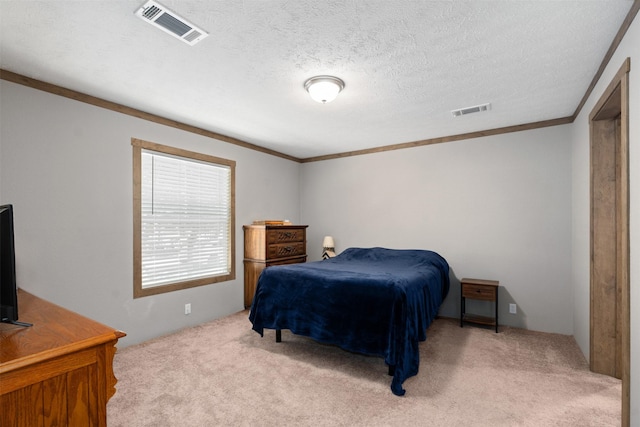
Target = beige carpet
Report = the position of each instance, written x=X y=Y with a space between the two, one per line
x=224 y=374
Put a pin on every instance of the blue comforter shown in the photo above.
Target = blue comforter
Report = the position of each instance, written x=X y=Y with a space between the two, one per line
x=373 y=301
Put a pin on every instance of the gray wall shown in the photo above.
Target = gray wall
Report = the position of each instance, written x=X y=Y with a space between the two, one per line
x=495 y=207
x=66 y=167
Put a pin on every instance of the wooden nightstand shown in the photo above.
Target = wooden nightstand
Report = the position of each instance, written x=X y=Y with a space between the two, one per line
x=486 y=290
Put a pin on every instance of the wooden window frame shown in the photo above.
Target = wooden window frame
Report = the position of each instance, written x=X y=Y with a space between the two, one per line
x=138 y=291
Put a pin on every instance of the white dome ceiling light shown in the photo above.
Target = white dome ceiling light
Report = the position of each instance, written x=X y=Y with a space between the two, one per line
x=324 y=89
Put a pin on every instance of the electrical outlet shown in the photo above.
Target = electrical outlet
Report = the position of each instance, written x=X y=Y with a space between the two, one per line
x=187 y=308
x=513 y=309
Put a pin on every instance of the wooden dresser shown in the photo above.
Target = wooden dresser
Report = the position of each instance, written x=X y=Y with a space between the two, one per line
x=267 y=245
x=58 y=371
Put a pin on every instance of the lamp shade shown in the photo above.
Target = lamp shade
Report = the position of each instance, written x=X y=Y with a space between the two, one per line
x=328 y=242
x=324 y=89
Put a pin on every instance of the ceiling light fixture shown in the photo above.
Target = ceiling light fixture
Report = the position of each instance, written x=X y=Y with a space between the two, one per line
x=324 y=89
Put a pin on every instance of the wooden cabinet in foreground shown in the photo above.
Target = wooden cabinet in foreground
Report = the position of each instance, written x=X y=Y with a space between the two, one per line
x=267 y=245
x=58 y=372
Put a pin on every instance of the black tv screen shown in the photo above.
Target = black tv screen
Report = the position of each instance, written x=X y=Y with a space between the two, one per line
x=8 y=289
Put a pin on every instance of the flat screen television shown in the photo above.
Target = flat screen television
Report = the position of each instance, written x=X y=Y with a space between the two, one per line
x=8 y=286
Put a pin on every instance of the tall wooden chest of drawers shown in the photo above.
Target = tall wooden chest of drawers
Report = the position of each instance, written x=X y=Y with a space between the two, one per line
x=267 y=245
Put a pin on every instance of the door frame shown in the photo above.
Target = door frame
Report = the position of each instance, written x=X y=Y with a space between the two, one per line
x=609 y=124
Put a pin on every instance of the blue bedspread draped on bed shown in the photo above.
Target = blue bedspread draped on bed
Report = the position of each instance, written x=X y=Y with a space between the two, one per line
x=374 y=301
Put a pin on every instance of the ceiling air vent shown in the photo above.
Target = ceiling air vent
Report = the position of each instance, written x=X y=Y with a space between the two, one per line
x=169 y=22
x=470 y=110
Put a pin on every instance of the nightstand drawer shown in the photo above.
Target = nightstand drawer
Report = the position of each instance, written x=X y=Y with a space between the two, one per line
x=479 y=292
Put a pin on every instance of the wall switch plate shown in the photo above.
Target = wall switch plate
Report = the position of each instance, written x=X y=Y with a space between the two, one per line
x=513 y=309
x=187 y=308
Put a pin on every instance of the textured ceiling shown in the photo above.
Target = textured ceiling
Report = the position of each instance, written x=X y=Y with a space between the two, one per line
x=405 y=63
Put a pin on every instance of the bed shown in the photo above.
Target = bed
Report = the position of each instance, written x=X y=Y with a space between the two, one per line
x=373 y=301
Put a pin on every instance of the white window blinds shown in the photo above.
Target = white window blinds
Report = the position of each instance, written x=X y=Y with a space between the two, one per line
x=186 y=211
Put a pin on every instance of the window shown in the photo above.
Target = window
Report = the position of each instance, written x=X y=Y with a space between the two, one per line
x=183 y=219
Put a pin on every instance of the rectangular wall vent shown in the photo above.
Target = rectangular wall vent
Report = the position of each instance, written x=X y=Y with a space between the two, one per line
x=171 y=23
x=470 y=110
